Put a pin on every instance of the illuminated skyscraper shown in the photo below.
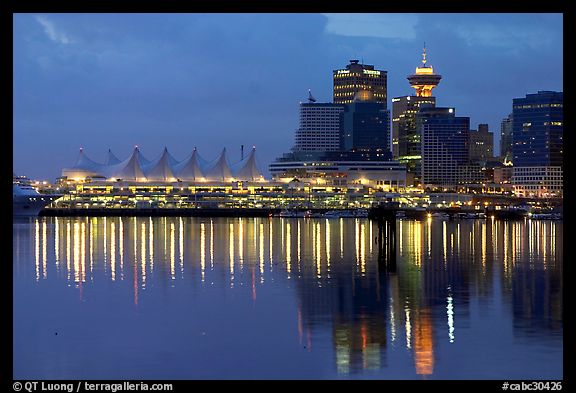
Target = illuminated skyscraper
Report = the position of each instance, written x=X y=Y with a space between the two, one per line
x=406 y=138
x=357 y=77
x=444 y=145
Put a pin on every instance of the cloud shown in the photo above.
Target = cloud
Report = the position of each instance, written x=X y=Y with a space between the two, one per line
x=51 y=31
x=397 y=26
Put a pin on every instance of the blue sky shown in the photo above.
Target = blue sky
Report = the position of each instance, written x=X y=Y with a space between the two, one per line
x=210 y=81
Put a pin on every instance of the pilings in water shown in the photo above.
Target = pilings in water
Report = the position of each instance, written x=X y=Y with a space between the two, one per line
x=386 y=219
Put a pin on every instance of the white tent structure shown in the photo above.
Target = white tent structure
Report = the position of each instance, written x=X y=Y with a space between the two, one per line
x=191 y=168
x=165 y=168
x=219 y=169
x=247 y=169
x=84 y=167
x=111 y=159
x=161 y=168
x=129 y=169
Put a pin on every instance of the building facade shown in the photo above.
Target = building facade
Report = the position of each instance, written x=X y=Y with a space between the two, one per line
x=481 y=144
x=319 y=128
x=356 y=77
x=537 y=129
x=406 y=138
x=365 y=126
x=444 y=145
x=538 y=181
x=506 y=138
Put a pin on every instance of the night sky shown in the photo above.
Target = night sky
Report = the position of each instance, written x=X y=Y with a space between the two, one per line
x=210 y=81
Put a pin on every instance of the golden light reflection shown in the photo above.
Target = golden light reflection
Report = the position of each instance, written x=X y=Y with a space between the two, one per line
x=357 y=241
x=298 y=241
x=317 y=250
x=181 y=246
x=363 y=248
x=328 y=245
x=483 y=239
x=151 y=244
x=261 y=247
x=105 y=243
x=211 y=244
x=91 y=241
x=76 y=252
x=241 y=242
x=172 y=251
x=37 y=248
x=68 y=249
x=429 y=243
x=143 y=253
x=423 y=344
x=231 y=253
x=288 y=248
x=56 y=243
x=113 y=253
x=44 y=261
x=203 y=249
x=121 y=247
x=341 y=237
x=83 y=252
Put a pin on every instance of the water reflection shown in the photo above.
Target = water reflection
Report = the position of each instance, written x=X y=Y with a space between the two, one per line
x=445 y=269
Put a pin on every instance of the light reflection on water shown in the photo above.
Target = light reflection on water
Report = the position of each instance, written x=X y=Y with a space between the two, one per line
x=286 y=298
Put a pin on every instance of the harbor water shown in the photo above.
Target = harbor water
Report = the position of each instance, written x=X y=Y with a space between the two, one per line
x=286 y=298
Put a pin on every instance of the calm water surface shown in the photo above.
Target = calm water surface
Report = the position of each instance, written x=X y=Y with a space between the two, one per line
x=259 y=298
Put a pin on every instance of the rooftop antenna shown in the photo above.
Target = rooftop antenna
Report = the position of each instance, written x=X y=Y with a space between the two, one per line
x=311 y=99
x=424 y=55
x=241 y=152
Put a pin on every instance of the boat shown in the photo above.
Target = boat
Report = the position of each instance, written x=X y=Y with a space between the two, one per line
x=26 y=200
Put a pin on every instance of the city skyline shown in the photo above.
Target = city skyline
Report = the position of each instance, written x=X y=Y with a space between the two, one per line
x=216 y=80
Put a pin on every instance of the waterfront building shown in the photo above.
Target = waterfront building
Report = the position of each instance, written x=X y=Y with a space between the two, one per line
x=164 y=169
x=506 y=138
x=480 y=144
x=444 y=145
x=537 y=129
x=341 y=169
x=537 y=181
x=365 y=125
x=356 y=77
x=537 y=136
x=319 y=128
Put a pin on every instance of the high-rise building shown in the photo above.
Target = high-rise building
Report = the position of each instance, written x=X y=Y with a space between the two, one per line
x=480 y=146
x=444 y=145
x=537 y=137
x=356 y=77
x=406 y=137
x=506 y=138
x=406 y=142
x=365 y=125
x=319 y=128
x=537 y=129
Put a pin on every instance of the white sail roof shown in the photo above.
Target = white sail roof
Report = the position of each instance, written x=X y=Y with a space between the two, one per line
x=129 y=169
x=111 y=159
x=191 y=168
x=83 y=167
x=219 y=169
x=161 y=168
x=247 y=169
